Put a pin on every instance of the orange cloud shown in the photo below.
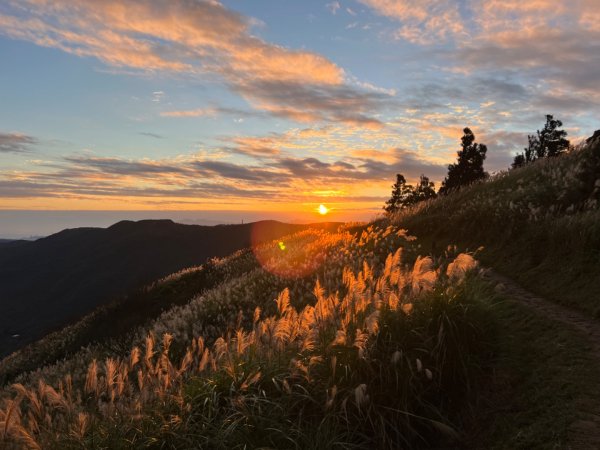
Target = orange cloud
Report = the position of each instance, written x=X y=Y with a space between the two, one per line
x=423 y=22
x=202 y=38
x=200 y=112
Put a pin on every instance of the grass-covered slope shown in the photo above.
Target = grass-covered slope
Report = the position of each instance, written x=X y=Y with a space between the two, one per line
x=110 y=326
x=539 y=224
x=337 y=340
x=48 y=283
x=349 y=339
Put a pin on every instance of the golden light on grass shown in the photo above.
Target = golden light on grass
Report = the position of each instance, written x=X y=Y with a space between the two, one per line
x=323 y=210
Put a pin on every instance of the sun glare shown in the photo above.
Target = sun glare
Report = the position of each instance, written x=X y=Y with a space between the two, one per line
x=323 y=210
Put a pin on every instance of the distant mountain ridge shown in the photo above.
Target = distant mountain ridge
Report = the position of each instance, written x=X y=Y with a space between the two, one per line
x=46 y=283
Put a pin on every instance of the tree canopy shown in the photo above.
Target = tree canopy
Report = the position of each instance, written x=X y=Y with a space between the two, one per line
x=469 y=166
x=550 y=141
x=405 y=195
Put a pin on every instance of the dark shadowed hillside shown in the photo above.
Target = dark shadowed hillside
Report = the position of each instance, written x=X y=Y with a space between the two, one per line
x=46 y=283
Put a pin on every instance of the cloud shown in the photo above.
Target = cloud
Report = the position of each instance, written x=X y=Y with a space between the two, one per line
x=559 y=56
x=157 y=96
x=234 y=171
x=502 y=146
x=550 y=43
x=211 y=111
x=16 y=143
x=199 y=112
x=117 y=166
x=200 y=38
x=423 y=22
x=279 y=177
x=308 y=102
x=152 y=135
x=333 y=7
x=362 y=168
x=256 y=146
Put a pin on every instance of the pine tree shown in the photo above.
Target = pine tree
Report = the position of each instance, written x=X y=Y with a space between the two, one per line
x=402 y=194
x=529 y=153
x=424 y=190
x=550 y=141
x=469 y=167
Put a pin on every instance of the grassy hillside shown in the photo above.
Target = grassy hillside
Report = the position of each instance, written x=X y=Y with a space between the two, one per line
x=540 y=224
x=110 y=326
x=47 y=283
x=362 y=337
x=367 y=345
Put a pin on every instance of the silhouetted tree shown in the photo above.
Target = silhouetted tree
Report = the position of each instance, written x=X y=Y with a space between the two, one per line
x=401 y=195
x=550 y=141
x=424 y=190
x=405 y=195
x=469 y=167
x=529 y=153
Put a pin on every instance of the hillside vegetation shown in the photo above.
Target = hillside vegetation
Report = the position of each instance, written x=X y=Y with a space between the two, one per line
x=48 y=283
x=366 y=345
x=539 y=224
x=360 y=337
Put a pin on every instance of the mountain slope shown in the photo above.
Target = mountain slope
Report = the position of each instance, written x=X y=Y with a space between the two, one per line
x=366 y=345
x=45 y=283
x=540 y=227
x=539 y=224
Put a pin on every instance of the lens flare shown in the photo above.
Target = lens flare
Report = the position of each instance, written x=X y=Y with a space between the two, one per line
x=287 y=259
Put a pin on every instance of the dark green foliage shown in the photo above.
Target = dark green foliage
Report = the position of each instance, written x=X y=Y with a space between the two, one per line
x=405 y=195
x=469 y=167
x=424 y=190
x=552 y=141
x=549 y=142
x=529 y=153
x=401 y=195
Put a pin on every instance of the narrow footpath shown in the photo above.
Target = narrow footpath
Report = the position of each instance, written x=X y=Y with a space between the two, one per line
x=583 y=433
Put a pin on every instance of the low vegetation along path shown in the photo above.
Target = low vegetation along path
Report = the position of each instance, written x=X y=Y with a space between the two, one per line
x=587 y=430
x=549 y=309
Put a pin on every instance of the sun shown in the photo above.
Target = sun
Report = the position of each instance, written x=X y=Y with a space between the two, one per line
x=323 y=210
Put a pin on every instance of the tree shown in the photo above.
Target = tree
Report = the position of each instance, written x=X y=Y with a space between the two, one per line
x=424 y=190
x=405 y=195
x=469 y=167
x=552 y=141
x=401 y=195
x=529 y=153
x=549 y=142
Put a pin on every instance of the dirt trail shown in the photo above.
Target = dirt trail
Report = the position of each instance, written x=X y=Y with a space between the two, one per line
x=581 y=322
x=583 y=433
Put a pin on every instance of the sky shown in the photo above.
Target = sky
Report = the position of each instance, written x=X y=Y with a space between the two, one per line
x=275 y=107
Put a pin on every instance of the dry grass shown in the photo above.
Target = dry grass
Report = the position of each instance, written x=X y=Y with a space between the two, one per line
x=382 y=356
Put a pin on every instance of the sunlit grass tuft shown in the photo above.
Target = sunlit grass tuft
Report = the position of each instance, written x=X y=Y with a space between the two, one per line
x=367 y=349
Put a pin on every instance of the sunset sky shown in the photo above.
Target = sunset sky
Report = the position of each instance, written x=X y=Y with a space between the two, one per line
x=276 y=106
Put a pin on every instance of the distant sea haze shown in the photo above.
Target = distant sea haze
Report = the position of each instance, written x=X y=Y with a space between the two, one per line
x=22 y=224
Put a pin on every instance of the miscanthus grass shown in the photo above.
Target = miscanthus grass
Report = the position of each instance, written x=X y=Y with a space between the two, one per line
x=342 y=340
x=540 y=224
